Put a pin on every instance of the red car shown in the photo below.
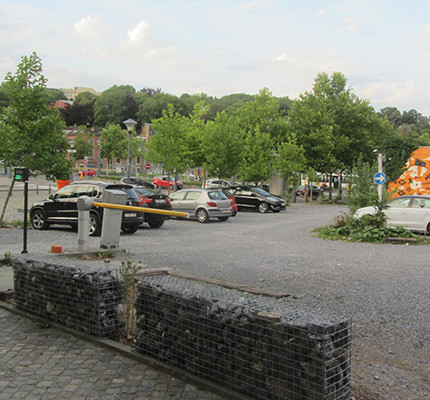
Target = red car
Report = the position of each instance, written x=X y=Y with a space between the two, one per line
x=87 y=172
x=229 y=194
x=166 y=182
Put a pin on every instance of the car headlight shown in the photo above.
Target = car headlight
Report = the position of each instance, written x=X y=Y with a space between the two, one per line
x=272 y=200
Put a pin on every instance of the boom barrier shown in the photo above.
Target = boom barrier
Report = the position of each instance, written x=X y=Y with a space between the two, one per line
x=142 y=209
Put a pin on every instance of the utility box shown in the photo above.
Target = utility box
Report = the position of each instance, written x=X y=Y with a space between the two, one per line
x=84 y=206
x=111 y=227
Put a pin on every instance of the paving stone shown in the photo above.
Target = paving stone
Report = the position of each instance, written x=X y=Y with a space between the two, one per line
x=50 y=364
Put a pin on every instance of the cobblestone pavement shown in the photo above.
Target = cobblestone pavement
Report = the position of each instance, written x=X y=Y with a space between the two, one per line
x=45 y=363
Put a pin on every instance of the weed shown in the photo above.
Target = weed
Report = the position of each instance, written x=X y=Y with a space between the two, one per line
x=7 y=260
x=127 y=274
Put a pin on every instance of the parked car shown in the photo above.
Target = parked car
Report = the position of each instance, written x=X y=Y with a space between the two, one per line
x=61 y=207
x=229 y=194
x=216 y=182
x=166 y=182
x=87 y=172
x=253 y=197
x=134 y=180
x=410 y=212
x=153 y=199
x=202 y=204
x=316 y=191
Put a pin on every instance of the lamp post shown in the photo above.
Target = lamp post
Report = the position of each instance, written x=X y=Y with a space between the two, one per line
x=99 y=167
x=129 y=123
x=71 y=151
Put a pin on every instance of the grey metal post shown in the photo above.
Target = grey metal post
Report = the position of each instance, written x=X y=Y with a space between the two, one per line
x=84 y=207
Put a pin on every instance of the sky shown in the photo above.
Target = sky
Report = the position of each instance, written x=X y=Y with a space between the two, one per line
x=221 y=47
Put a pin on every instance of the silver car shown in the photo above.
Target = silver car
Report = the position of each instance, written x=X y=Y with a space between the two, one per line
x=410 y=212
x=202 y=204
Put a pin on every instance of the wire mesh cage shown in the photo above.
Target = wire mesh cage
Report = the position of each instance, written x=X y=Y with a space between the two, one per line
x=258 y=346
x=79 y=297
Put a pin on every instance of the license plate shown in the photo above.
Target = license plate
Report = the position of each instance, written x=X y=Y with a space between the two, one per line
x=130 y=215
x=226 y=211
x=160 y=201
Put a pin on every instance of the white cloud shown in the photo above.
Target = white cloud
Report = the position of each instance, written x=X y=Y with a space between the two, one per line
x=91 y=27
x=353 y=24
x=285 y=58
x=139 y=33
x=251 y=4
x=321 y=13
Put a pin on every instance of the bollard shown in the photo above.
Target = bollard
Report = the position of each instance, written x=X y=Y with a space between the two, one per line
x=84 y=205
x=112 y=218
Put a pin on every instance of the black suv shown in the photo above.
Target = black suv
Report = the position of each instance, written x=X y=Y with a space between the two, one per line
x=256 y=198
x=61 y=207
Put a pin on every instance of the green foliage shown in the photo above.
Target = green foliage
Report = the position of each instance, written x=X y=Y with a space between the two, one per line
x=83 y=147
x=32 y=134
x=369 y=228
x=397 y=150
x=114 y=142
x=363 y=191
x=115 y=105
x=334 y=126
x=168 y=145
x=222 y=146
x=127 y=276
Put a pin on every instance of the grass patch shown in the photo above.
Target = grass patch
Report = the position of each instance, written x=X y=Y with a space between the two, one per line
x=369 y=229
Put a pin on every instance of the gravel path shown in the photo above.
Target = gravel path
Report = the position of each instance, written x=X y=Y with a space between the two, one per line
x=384 y=288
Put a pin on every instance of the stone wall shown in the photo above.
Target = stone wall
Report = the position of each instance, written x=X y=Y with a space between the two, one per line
x=70 y=292
x=258 y=346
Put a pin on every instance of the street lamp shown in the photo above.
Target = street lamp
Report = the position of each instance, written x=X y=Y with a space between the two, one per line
x=99 y=150
x=71 y=151
x=130 y=123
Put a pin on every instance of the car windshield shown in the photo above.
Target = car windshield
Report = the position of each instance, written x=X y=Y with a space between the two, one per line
x=217 y=195
x=261 y=191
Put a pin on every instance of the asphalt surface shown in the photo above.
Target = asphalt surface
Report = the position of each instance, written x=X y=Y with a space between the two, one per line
x=383 y=288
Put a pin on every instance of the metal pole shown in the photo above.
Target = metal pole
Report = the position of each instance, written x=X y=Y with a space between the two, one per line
x=128 y=160
x=24 y=250
x=380 y=187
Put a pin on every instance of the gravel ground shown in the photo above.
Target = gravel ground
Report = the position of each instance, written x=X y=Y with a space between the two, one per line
x=384 y=288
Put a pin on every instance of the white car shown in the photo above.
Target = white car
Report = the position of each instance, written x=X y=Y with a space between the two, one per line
x=410 y=212
x=216 y=182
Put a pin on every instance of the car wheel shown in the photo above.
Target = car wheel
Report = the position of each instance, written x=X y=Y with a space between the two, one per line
x=156 y=224
x=202 y=215
x=130 y=229
x=95 y=225
x=222 y=219
x=233 y=214
x=38 y=220
x=263 y=207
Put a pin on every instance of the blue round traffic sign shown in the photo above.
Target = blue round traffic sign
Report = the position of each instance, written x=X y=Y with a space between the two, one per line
x=380 y=178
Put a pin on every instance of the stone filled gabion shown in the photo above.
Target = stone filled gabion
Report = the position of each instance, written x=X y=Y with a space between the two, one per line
x=77 y=296
x=258 y=346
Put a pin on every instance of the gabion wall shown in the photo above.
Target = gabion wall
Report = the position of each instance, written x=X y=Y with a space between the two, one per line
x=255 y=345
x=71 y=293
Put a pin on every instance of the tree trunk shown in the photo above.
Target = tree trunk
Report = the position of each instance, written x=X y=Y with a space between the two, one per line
x=9 y=193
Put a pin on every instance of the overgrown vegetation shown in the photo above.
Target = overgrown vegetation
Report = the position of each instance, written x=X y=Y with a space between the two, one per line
x=369 y=228
x=127 y=274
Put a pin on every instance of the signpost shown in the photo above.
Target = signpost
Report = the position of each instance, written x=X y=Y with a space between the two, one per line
x=21 y=175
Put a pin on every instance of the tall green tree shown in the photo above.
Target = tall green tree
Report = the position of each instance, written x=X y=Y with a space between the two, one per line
x=114 y=141
x=31 y=134
x=263 y=127
x=115 y=105
x=222 y=146
x=82 y=146
x=168 y=145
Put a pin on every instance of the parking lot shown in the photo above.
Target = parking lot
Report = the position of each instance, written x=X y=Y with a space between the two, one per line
x=383 y=288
